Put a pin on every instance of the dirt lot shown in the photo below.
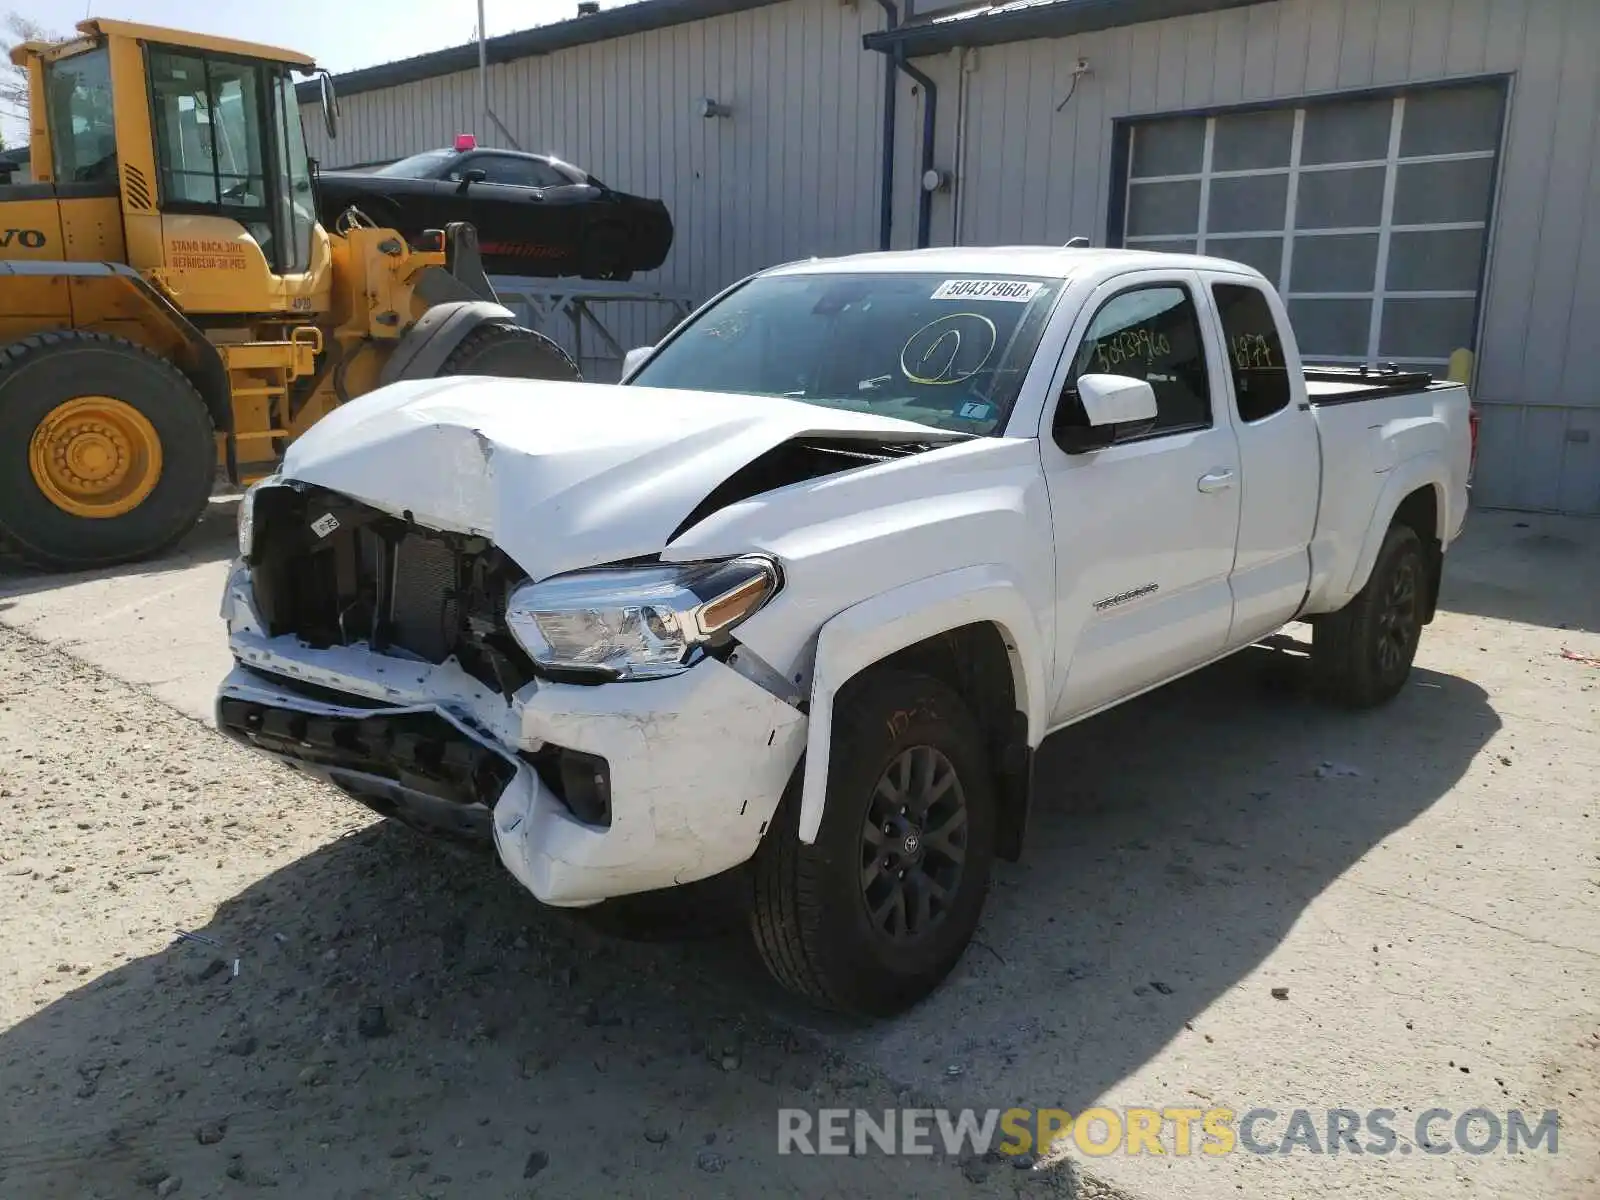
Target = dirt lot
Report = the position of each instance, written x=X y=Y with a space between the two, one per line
x=1424 y=882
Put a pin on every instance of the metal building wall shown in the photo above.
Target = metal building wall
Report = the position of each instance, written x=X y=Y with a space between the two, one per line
x=791 y=173
x=1026 y=172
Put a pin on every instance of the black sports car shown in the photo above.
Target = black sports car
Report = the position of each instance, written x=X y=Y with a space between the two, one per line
x=534 y=215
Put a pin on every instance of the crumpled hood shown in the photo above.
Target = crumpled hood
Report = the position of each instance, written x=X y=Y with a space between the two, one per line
x=559 y=475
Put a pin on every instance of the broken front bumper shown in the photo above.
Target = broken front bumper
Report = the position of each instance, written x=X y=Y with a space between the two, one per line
x=694 y=765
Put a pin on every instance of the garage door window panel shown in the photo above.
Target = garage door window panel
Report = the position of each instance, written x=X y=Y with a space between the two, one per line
x=1335 y=263
x=1331 y=329
x=1246 y=203
x=1452 y=121
x=1435 y=260
x=1340 y=199
x=1385 y=199
x=1265 y=254
x=1164 y=208
x=1346 y=132
x=1166 y=148
x=1426 y=328
x=1453 y=190
x=1252 y=141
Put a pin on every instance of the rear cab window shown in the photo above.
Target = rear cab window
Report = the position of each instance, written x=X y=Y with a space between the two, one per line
x=1255 y=350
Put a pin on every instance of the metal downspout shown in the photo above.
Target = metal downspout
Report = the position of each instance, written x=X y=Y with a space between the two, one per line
x=886 y=186
x=930 y=104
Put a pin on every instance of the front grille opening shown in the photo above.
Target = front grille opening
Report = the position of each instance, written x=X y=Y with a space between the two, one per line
x=335 y=572
x=582 y=782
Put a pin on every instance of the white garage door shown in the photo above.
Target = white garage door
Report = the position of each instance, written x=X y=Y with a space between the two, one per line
x=1370 y=214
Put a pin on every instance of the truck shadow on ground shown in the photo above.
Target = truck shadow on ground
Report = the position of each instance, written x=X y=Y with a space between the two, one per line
x=213 y=538
x=406 y=1020
x=1174 y=842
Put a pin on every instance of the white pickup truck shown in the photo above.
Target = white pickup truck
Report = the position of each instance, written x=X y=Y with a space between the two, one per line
x=802 y=596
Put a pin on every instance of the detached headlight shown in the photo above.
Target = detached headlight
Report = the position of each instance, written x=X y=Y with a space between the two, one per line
x=637 y=622
x=247 y=514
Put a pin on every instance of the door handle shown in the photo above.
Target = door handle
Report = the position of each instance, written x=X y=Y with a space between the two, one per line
x=1216 y=481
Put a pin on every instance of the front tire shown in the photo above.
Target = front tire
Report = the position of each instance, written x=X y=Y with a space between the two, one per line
x=106 y=451
x=1361 y=655
x=873 y=916
x=510 y=352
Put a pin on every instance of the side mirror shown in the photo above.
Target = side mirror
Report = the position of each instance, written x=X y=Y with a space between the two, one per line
x=471 y=176
x=1116 y=399
x=634 y=359
x=330 y=105
x=1097 y=408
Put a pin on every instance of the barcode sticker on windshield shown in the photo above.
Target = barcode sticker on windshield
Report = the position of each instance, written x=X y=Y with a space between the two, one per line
x=1013 y=290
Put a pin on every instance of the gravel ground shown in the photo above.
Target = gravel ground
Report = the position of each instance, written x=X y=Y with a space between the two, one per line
x=1422 y=884
x=405 y=1021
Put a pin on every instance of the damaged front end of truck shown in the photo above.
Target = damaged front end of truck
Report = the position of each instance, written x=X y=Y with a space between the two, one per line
x=432 y=606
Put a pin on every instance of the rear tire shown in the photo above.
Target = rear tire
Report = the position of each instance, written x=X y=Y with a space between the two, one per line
x=510 y=352
x=825 y=916
x=41 y=377
x=1361 y=655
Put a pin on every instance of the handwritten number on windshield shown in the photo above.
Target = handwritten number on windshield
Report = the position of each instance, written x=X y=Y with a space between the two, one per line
x=950 y=350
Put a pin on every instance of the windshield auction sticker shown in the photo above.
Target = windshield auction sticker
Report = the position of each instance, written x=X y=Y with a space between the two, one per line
x=1013 y=290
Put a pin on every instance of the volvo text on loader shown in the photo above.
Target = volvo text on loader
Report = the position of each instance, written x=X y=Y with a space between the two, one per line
x=169 y=303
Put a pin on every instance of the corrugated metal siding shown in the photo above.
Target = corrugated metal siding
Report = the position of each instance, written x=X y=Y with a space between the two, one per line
x=1029 y=173
x=793 y=172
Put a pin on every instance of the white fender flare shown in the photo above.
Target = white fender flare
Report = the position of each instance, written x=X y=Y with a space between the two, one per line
x=1408 y=477
x=873 y=629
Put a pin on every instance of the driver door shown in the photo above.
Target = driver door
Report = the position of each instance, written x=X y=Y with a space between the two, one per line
x=1145 y=526
x=508 y=206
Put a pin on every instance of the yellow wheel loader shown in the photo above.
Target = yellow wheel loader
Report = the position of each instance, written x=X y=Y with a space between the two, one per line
x=169 y=303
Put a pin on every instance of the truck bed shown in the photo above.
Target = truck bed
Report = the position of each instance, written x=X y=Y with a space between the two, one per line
x=1348 y=385
x=1370 y=429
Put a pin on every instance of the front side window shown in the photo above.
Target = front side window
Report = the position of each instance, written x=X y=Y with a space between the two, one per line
x=1153 y=334
x=505 y=168
x=79 y=112
x=209 y=144
x=946 y=352
x=1255 y=350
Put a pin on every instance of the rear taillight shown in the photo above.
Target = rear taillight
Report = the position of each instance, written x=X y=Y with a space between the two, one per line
x=1472 y=424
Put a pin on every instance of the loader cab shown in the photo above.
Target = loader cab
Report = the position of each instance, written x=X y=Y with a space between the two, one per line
x=199 y=143
x=228 y=144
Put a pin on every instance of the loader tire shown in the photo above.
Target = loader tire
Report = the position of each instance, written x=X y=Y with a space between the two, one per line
x=1362 y=654
x=107 y=453
x=510 y=352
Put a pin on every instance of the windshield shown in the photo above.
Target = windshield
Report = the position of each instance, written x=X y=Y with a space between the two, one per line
x=945 y=352
x=418 y=166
